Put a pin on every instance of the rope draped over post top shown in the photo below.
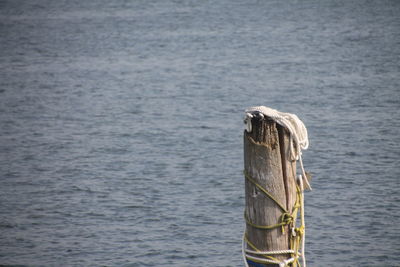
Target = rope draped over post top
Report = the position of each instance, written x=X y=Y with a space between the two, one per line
x=298 y=140
x=297 y=129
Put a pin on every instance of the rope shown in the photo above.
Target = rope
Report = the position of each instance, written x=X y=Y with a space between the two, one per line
x=268 y=259
x=297 y=129
x=297 y=238
x=302 y=226
x=298 y=140
x=248 y=177
x=286 y=219
x=275 y=252
x=295 y=126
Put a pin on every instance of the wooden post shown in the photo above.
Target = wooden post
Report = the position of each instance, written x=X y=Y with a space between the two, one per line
x=267 y=163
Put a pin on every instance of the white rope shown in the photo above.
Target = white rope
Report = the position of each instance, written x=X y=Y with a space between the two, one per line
x=275 y=252
x=263 y=260
x=296 y=128
x=290 y=121
x=244 y=248
x=298 y=141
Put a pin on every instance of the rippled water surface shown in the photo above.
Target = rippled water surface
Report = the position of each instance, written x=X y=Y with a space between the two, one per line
x=121 y=127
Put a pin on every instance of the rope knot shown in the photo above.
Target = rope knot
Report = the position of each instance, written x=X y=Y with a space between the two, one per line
x=300 y=230
x=286 y=219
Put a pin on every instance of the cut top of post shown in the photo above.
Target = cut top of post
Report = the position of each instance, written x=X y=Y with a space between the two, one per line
x=296 y=128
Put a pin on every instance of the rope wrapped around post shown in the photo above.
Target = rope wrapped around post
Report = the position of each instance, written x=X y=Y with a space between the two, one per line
x=298 y=140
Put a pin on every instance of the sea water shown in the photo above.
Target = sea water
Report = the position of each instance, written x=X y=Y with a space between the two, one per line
x=121 y=127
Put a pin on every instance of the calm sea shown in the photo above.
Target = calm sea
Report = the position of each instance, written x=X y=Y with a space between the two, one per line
x=121 y=126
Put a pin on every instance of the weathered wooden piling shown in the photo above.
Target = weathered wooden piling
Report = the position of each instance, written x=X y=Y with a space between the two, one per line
x=270 y=189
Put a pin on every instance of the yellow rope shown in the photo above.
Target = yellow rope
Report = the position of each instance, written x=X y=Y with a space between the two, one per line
x=285 y=219
x=248 y=177
x=295 y=240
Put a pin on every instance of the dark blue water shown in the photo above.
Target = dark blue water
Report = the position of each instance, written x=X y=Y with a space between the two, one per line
x=121 y=127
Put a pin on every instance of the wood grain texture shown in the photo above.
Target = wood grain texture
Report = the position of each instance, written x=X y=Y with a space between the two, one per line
x=266 y=162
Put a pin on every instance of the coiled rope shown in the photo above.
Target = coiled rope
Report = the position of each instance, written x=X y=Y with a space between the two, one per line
x=297 y=129
x=298 y=140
